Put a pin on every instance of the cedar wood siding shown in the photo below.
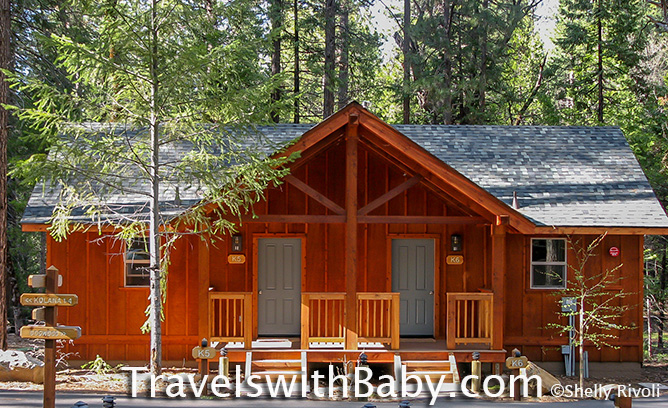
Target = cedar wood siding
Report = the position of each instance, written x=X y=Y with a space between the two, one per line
x=539 y=307
x=111 y=316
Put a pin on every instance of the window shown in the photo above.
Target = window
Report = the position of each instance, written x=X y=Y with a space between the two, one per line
x=548 y=263
x=137 y=261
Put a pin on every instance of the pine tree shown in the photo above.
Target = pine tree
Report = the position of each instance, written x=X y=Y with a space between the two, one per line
x=5 y=63
x=598 y=51
x=459 y=52
x=130 y=76
x=354 y=64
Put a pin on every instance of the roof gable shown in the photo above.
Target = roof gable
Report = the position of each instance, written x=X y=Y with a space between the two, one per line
x=397 y=144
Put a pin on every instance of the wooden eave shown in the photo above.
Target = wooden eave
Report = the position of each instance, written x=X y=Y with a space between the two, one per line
x=539 y=230
x=554 y=230
x=88 y=226
x=34 y=227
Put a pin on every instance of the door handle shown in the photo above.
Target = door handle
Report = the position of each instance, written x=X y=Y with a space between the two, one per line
x=431 y=292
x=259 y=292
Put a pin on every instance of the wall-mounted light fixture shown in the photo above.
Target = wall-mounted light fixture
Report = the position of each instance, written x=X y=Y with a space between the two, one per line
x=456 y=243
x=237 y=243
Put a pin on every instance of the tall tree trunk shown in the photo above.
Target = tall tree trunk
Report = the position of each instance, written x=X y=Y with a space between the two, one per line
x=330 y=34
x=154 y=218
x=532 y=95
x=5 y=63
x=482 y=84
x=296 y=78
x=276 y=18
x=599 y=50
x=648 y=305
x=663 y=283
x=42 y=252
x=15 y=296
x=447 y=64
x=463 y=115
x=407 y=61
x=344 y=73
x=581 y=339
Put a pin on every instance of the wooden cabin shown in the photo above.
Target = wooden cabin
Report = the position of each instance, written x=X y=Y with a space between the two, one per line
x=409 y=240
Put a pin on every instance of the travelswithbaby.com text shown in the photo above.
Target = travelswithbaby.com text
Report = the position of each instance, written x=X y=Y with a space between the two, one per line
x=359 y=386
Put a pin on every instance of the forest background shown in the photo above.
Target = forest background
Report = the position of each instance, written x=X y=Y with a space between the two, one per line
x=438 y=62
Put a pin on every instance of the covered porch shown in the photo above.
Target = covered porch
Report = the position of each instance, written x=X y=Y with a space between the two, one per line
x=323 y=323
x=359 y=188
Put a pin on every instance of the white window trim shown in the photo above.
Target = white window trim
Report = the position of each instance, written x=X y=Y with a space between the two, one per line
x=126 y=262
x=564 y=263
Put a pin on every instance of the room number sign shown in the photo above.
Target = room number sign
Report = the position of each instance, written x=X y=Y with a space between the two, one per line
x=236 y=259
x=454 y=259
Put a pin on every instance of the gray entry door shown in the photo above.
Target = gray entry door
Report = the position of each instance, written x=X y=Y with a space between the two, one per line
x=413 y=278
x=279 y=286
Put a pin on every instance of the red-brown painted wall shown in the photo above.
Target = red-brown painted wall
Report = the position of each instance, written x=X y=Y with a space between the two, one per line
x=111 y=316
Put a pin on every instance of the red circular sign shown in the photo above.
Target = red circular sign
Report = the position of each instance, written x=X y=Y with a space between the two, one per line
x=614 y=251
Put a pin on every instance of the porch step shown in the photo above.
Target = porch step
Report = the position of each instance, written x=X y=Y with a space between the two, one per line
x=432 y=374
x=265 y=364
x=261 y=355
x=276 y=374
x=426 y=362
x=276 y=364
x=428 y=366
x=434 y=369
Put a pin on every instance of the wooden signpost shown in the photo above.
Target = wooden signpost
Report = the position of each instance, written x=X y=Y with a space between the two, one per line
x=515 y=363
x=50 y=332
x=204 y=354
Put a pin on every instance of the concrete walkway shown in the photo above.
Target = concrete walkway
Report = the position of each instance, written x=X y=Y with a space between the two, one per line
x=21 y=399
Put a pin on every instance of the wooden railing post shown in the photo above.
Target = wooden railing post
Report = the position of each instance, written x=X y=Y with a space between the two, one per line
x=248 y=321
x=394 y=345
x=498 y=282
x=211 y=319
x=305 y=322
x=451 y=322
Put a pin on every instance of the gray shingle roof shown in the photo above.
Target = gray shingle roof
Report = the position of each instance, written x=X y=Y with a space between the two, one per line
x=563 y=176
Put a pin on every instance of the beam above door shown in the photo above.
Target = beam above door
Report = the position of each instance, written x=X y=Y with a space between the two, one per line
x=418 y=219
x=367 y=219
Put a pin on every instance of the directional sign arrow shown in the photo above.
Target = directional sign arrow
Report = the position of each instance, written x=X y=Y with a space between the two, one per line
x=39 y=281
x=51 y=333
x=41 y=299
x=38 y=314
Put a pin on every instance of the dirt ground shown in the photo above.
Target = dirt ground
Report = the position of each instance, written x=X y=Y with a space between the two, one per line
x=72 y=379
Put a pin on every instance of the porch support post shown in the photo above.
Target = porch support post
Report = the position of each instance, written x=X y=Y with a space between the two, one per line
x=351 y=232
x=498 y=282
x=203 y=288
